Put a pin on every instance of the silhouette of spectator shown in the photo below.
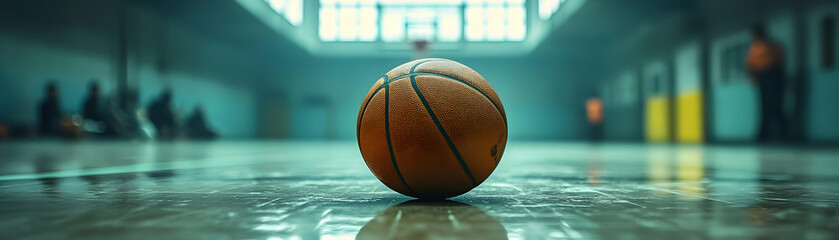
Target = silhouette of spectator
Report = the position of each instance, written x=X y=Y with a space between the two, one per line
x=50 y=113
x=161 y=115
x=594 y=113
x=766 y=64
x=196 y=125
x=90 y=108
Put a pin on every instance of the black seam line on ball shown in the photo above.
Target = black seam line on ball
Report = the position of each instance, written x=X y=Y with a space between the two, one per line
x=387 y=82
x=389 y=144
x=419 y=63
x=443 y=132
x=411 y=73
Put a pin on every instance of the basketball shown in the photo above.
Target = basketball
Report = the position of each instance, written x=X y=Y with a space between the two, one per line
x=432 y=128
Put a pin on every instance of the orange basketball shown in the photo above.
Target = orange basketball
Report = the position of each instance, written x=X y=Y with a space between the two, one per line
x=432 y=128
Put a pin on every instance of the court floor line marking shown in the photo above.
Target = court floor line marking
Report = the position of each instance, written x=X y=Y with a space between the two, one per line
x=694 y=196
x=149 y=167
x=323 y=218
x=268 y=202
x=616 y=198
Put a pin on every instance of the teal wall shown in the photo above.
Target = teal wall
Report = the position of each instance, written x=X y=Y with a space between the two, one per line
x=543 y=100
x=35 y=48
x=823 y=116
x=64 y=40
x=733 y=98
x=623 y=109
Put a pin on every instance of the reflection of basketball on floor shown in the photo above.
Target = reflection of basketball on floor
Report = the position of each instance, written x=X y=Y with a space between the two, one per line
x=432 y=128
x=433 y=220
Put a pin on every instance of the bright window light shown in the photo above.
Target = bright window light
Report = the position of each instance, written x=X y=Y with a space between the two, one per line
x=367 y=24
x=449 y=29
x=291 y=10
x=394 y=22
x=430 y=20
x=547 y=8
x=348 y=20
x=328 y=32
x=495 y=20
x=516 y=27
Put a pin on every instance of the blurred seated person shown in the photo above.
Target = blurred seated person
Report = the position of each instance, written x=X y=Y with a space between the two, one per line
x=92 y=115
x=49 y=114
x=196 y=125
x=162 y=117
x=90 y=107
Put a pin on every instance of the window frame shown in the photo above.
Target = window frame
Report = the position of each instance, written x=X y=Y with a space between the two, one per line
x=455 y=13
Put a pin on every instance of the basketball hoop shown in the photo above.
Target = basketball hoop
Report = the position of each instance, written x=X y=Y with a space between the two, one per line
x=420 y=47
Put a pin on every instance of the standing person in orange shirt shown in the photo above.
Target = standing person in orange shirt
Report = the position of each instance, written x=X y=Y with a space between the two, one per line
x=594 y=112
x=766 y=64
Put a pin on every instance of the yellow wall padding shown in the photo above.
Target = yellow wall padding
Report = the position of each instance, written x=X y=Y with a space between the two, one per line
x=689 y=117
x=657 y=119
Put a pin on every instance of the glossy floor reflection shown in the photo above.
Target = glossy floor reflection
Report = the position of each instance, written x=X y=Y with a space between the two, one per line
x=297 y=190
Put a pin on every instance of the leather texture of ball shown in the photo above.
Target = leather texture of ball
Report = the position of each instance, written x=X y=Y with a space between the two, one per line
x=432 y=128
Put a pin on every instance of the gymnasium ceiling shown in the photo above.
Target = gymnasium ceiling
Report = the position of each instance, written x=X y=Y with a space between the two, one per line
x=580 y=28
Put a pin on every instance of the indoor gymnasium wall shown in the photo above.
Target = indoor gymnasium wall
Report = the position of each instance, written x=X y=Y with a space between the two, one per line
x=623 y=112
x=543 y=96
x=541 y=102
x=670 y=104
x=708 y=51
x=71 y=45
x=823 y=115
x=734 y=99
x=643 y=101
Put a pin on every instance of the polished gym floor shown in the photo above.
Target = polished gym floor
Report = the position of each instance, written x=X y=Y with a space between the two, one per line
x=323 y=190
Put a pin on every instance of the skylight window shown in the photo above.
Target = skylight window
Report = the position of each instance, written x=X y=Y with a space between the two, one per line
x=430 y=20
x=495 y=20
